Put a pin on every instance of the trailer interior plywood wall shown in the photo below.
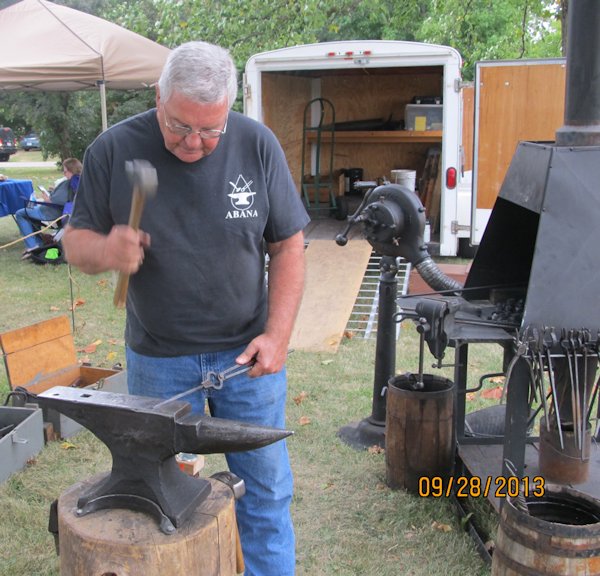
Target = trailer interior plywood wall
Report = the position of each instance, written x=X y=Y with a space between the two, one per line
x=284 y=98
x=357 y=95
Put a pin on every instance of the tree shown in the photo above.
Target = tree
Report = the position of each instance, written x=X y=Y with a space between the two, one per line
x=478 y=29
x=243 y=26
x=493 y=30
x=65 y=121
x=68 y=121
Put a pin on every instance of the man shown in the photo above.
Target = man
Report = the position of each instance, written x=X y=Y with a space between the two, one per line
x=198 y=299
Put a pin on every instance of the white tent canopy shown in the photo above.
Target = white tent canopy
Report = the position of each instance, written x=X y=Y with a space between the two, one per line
x=52 y=47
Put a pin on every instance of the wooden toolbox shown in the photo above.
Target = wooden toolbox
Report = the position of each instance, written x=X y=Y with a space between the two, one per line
x=41 y=356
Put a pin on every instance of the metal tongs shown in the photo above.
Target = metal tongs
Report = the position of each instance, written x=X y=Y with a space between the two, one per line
x=213 y=380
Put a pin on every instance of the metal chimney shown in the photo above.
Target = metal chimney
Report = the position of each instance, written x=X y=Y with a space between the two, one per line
x=582 y=94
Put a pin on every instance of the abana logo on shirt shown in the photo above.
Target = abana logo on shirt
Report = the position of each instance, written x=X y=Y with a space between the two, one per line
x=242 y=199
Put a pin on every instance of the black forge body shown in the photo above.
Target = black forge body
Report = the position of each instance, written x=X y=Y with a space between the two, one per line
x=542 y=237
x=143 y=436
x=541 y=242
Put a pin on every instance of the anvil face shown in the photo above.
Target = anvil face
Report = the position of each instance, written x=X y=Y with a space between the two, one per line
x=143 y=435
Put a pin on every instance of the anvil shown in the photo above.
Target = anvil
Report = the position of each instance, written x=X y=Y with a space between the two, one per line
x=143 y=435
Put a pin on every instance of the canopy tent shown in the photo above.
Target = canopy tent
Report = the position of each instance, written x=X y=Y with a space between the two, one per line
x=52 y=47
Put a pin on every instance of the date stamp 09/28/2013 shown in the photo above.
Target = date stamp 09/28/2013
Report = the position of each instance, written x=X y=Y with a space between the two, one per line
x=475 y=486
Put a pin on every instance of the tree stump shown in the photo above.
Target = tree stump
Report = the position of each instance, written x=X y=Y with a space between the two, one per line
x=121 y=542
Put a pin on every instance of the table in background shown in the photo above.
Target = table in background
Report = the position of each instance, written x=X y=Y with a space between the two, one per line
x=13 y=195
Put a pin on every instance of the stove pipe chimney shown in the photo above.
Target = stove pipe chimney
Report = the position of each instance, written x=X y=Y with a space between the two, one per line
x=582 y=94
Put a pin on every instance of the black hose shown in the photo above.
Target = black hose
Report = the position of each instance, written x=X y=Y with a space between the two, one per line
x=434 y=277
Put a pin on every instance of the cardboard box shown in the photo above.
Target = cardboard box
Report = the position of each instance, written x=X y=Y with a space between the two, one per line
x=423 y=117
x=42 y=355
x=23 y=442
x=191 y=464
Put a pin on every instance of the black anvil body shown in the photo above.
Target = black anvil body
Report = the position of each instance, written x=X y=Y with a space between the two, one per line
x=143 y=435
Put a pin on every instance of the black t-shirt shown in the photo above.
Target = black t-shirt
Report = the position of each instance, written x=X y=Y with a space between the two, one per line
x=202 y=285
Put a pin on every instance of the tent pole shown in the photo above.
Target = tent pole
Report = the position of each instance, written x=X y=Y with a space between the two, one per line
x=102 y=86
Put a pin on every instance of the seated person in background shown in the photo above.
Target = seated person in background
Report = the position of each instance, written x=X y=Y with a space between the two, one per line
x=28 y=219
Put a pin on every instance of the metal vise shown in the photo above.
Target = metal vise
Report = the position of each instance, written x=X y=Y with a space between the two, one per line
x=143 y=435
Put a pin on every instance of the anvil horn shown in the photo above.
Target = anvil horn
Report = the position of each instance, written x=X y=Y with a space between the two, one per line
x=143 y=436
x=221 y=435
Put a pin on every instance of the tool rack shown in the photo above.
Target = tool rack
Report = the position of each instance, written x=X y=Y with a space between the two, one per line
x=515 y=451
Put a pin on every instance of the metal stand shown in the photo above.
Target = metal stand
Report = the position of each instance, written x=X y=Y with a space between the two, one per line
x=371 y=430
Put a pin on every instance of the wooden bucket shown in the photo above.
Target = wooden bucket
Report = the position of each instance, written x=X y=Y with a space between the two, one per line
x=560 y=535
x=420 y=431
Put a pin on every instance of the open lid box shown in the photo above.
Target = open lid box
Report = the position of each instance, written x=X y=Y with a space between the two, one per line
x=42 y=355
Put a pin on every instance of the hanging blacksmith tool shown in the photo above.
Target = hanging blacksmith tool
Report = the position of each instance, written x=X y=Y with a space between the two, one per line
x=143 y=439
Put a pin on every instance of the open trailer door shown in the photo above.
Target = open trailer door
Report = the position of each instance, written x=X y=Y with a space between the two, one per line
x=515 y=100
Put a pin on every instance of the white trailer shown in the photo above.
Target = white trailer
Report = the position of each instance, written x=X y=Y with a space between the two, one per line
x=395 y=102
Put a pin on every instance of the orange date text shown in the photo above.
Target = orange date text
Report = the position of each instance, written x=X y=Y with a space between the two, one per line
x=476 y=486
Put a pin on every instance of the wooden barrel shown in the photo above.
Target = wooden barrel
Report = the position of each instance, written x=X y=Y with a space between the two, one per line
x=420 y=431
x=559 y=536
x=119 y=542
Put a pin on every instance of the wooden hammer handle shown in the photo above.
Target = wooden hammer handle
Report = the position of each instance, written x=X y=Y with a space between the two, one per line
x=135 y=216
x=120 y=296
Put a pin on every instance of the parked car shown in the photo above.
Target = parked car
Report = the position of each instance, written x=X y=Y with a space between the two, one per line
x=8 y=144
x=30 y=142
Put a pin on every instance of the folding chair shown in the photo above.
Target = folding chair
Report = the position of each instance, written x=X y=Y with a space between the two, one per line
x=51 y=252
x=58 y=210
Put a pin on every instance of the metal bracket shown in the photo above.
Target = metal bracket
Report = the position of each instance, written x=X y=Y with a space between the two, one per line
x=455 y=227
x=460 y=84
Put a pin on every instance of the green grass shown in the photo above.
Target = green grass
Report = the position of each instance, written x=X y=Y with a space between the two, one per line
x=32 y=156
x=348 y=522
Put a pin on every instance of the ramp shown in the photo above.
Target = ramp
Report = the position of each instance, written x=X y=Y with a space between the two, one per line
x=365 y=315
x=333 y=279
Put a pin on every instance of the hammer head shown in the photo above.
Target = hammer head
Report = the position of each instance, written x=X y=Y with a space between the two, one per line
x=237 y=485
x=143 y=176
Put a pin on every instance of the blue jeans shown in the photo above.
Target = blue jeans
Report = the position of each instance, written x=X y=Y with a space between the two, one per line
x=26 y=226
x=263 y=513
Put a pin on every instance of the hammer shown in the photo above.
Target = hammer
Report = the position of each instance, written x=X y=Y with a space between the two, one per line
x=143 y=177
x=238 y=487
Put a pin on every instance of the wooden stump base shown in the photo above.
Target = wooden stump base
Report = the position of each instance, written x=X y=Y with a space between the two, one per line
x=121 y=542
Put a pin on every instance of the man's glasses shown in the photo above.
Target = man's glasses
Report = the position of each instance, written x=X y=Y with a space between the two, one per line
x=183 y=131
